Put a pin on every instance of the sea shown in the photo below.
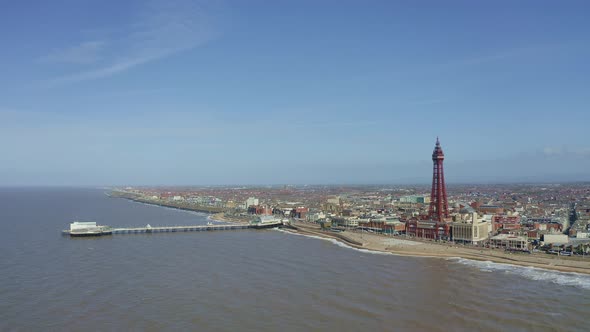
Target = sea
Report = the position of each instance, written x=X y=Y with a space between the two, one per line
x=248 y=280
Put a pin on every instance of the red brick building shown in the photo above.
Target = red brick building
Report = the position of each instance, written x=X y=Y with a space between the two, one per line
x=502 y=221
x=428 y=229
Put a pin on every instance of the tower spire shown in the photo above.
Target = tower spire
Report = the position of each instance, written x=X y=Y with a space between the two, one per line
x=439 y=208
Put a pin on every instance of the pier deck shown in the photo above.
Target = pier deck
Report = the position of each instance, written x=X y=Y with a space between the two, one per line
x=197 y=228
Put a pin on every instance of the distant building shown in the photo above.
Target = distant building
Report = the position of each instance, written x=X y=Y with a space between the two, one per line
x=509 y=241
x=251 y=201
x=333 y=200
x=424 y=199
x=260 y=210
x=300 y=212
x=504 y=221
x=490 y=209
x=314 y=217
x=385 y=225
x=427 y=229
x=265 y=220
x=555 y=239
x=83 y=225
x=350 y=222
x=470 y=230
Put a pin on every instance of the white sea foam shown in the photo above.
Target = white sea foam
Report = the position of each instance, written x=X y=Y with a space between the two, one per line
x=533 y=273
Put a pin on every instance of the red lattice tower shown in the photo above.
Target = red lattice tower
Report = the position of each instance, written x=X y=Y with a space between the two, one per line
x=439 y=208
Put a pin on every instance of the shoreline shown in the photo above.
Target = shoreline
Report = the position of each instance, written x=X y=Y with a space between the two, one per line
x=409 y=247
x=412 y=248
x=222 y=217
x=219 y=216
x=129 y=197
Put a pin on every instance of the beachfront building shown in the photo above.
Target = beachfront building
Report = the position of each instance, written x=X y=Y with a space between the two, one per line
x=470 y=229
x=555 y=239
x=251 y=201
x=265 y=220
x=509 y=241
x=387 y=225
x=315 y=216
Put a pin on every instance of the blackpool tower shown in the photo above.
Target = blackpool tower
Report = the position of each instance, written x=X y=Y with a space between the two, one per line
x=439 y=208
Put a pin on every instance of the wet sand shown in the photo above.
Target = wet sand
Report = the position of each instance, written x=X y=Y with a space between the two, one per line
x=409 y=247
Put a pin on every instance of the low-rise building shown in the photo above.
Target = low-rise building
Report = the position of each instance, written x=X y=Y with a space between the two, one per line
x=386 y=225
x=428 y=229
x=470 y=230
x=251 y=201
x=509 y=241
x=504 y=221
x=424 y=199
x=316 y=216
x=555 y=239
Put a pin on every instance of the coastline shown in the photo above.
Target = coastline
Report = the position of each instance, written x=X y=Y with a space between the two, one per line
x=222 y=217
x=214 y=214
x=180 y=206
x=412 y=248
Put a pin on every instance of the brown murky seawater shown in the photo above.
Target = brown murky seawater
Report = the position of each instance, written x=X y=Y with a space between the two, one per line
x=248 y=280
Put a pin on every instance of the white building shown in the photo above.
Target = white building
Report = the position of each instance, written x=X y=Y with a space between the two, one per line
x=351 y=222
x=265 y=220
x=251 y=201
x=313 y=217
x=509 y=241
x=425 y=199
x=557 y=239
x=334 y=200
x=82 y=225
x=470 y=229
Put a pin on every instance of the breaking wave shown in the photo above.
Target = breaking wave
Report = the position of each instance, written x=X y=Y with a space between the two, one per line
x=533 y=273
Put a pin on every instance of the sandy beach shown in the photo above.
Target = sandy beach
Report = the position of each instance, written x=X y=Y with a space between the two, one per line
x=409 y=247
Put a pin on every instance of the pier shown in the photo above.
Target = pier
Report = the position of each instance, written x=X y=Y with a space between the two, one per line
x=173 y=229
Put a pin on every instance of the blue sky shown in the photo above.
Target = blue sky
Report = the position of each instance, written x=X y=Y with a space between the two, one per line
x=271 y=92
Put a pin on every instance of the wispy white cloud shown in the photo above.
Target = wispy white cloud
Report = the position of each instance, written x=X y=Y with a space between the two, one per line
x=84 y=53
x=158 y=30
x=110 y=69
